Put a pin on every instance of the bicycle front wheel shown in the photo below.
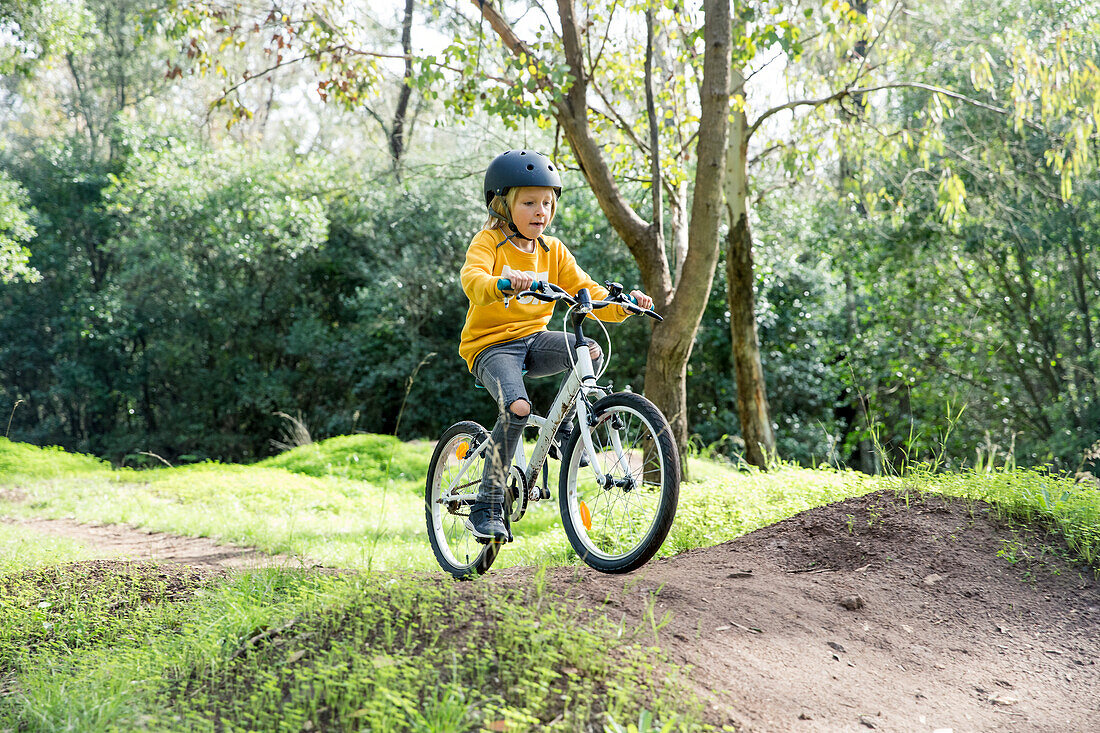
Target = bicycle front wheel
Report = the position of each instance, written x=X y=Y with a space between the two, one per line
x=618 y=510
x=453 y=478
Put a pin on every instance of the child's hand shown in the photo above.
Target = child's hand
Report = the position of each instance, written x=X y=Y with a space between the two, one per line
x=520 y=280
x=643 y=300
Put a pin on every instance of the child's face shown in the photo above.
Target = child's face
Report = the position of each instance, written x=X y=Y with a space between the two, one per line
x=532 y=210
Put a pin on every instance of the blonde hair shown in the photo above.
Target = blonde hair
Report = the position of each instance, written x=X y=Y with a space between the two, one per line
x=503 y=205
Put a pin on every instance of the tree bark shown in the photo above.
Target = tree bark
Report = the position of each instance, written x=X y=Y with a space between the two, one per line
x=752 y=400
x=670 y=347
x=397 y=132
x=678 y=229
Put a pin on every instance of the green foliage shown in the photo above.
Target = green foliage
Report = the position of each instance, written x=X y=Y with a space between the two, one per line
x=377 y=459
x=22 y=461
x=275 y=648
x=799 y=305
x=60 y=610
x=1033 y=497
x=726 y=503
x=15 y=231
x=35 y=30
x=191 y=289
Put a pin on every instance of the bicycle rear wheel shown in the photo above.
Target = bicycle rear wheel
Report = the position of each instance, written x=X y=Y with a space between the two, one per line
x=453 y=478
x=618 y=521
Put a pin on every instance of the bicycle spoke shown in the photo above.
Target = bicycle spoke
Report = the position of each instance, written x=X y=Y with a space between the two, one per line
x=448 y=497
x=625 y=507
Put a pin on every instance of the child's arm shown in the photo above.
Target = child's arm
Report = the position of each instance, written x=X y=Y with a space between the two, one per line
x=478 y=281
x=572 y=278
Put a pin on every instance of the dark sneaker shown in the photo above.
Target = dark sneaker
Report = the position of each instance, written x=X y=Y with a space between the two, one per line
x=486 y=522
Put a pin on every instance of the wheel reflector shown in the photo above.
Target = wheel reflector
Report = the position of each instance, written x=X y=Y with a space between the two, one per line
x=462 y=449
x=586 y=516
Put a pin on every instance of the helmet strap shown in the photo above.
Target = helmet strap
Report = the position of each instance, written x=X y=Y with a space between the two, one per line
x=515 y=232
x=497 y=215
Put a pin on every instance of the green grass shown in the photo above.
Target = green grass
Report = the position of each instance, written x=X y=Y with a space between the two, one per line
x=284 y=650
x=23 y=548
x=1030 y=496
x=101 y=646
x=22 y=461
x=329 y=520
x=377 y=459
x=357 y=502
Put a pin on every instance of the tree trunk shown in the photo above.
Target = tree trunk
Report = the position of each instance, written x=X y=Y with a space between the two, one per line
x=670 y=347
x=397 y=132
x=752 y=400
x=678 y=229
x=682 y=307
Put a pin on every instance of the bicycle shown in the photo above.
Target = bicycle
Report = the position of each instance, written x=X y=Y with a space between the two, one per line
x=619 y=482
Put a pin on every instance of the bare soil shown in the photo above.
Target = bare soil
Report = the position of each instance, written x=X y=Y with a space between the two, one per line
x=120 y=541
x=863 y=615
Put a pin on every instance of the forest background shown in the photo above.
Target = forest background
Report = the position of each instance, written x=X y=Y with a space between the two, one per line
x=216 y=215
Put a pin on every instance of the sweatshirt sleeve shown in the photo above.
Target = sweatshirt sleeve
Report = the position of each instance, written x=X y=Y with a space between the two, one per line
x=573 y=278
x=478 y=281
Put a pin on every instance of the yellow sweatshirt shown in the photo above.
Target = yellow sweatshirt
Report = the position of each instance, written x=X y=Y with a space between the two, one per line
x=488 y=322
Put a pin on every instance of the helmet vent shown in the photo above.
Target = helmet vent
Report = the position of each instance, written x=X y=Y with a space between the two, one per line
x=530 y=167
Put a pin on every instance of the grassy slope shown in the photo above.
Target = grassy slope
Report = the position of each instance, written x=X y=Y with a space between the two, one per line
x=351 y=651
x=357 y=502
x=114 y=650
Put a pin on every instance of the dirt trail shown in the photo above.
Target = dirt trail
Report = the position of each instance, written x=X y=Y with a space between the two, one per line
x=863 y=615
x=122 y=541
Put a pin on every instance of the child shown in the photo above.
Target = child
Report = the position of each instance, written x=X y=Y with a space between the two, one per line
x=503 y=336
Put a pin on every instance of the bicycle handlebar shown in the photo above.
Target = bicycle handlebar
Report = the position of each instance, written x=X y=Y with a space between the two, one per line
x=549 y=292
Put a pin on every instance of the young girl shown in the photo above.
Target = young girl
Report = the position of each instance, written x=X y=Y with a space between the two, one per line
x=504 y=336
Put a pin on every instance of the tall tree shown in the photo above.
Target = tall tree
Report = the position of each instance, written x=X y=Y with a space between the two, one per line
x=553 y=79
x=681 y=303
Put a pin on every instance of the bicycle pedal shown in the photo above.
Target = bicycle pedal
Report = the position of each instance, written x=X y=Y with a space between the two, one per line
x=544 y=492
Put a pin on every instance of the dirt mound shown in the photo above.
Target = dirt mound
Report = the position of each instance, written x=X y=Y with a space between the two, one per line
x=871 y=615
x=143 y=581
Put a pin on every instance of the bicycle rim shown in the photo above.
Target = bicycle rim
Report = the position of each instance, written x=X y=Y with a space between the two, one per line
x=455 y=472
x=618 y=526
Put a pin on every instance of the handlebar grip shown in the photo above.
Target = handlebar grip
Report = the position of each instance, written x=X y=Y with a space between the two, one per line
x=635 y=308
x=504 y=284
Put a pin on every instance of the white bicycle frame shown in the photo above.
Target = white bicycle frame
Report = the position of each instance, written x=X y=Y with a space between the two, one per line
x=580 y=378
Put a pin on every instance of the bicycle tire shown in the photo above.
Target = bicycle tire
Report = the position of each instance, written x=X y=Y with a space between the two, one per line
x=456 y=549
x=618 y=527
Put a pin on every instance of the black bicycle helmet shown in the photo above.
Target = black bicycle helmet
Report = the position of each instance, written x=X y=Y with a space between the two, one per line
x=516 y=168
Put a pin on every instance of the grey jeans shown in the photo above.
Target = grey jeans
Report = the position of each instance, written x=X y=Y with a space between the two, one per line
x=500 y=369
